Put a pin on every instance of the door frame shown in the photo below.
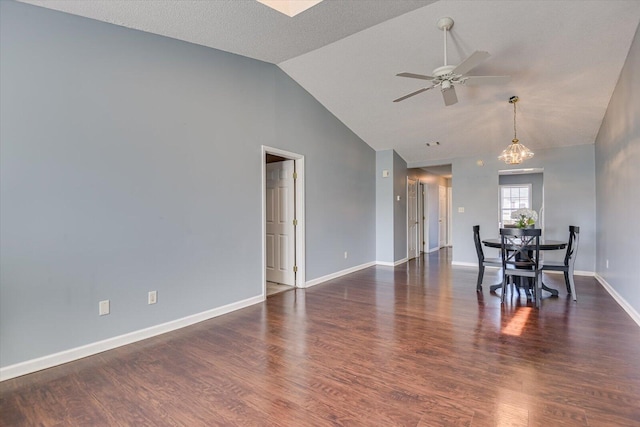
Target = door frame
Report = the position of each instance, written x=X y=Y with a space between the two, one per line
x=440 y=219
x=425 y=220
x=300 y=277
x=416 y=254
x=421 y=216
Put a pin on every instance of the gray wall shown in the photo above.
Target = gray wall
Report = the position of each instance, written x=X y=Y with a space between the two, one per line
x=391 y=213
x=569 y=192
x=617 y=154
x=131 y=162
x=384 y=207
x=399 y=207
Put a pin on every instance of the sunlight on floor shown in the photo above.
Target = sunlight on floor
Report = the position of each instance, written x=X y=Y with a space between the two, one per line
x=517 y=322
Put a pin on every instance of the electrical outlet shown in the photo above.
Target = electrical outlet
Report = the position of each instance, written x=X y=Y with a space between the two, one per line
x=153 y=297
x=345 y=254
x=607 y=264
x=103 y=307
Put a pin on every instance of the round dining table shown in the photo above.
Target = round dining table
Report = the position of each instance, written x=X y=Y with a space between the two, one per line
x=545 y=245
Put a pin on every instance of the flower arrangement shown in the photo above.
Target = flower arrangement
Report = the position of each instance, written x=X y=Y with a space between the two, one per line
x=524 y=217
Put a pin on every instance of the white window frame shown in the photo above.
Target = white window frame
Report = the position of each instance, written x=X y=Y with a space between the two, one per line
x=500 y=208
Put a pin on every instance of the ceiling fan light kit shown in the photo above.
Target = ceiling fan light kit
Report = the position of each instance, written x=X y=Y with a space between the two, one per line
x=515 y=153
x=448 y=76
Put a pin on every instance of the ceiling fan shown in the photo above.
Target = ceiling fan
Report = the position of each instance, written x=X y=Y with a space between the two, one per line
x=447 y=76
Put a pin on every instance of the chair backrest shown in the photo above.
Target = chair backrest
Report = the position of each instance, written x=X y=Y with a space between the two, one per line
x=478 y=242
x=572 y=246
x=520 y=247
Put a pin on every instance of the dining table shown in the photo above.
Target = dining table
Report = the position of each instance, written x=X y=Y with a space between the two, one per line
x=545 y=245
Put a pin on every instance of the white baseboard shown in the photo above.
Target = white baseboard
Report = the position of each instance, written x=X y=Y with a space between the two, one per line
x=392 y=264
x=472 y=264
x=338 y=274
x=475 y=264
x=575 y=273
x=465 y=264
x=70 y=355
x=386 y=263
x=621 y=301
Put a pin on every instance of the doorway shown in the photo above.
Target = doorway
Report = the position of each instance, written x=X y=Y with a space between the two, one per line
x=283 y=225
x=435 y=222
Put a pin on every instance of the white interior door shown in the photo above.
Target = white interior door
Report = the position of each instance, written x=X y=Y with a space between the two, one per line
x=420 y=218
x=412 y=218
x=280 y=231
x=449 y=215
x=425 y=218
x=442 y=215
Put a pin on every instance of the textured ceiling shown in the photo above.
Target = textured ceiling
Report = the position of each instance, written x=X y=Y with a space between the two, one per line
x=245 y=27
x=564 y=59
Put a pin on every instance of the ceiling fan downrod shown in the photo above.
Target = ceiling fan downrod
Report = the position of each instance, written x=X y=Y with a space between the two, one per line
x=445 y=25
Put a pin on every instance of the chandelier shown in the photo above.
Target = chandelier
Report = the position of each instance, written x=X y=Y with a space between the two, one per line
x=515 y=153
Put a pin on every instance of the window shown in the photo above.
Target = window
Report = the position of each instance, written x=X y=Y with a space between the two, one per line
x=513 y=197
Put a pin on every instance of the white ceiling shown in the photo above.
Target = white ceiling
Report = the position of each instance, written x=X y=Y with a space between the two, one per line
x=564 y=58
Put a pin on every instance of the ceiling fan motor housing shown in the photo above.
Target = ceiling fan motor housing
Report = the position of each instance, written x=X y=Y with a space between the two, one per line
x=445 y=23
x=443 y=71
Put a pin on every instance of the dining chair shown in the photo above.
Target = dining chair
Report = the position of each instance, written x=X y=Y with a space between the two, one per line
x=569 y=260
x=482 y=261
x=520 y=253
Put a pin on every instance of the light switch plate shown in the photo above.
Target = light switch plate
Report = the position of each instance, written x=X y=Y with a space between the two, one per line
x=103 y=307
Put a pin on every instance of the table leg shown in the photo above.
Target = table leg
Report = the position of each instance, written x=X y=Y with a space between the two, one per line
x=553 y=292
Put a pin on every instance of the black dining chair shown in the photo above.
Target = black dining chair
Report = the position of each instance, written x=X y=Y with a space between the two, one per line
x=569 y=260
x=482 y=261
x=520 y=253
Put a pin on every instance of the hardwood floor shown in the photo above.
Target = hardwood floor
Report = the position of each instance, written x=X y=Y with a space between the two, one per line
x=275 y=288
x=410 y=346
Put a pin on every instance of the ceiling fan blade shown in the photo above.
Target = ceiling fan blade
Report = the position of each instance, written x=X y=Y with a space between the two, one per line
x=475 y=59
x=412 y=94
x=485 y=80
x=415 y=76
x=449 y=96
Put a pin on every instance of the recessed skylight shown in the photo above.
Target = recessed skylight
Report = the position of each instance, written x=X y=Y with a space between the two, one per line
x=290 y=7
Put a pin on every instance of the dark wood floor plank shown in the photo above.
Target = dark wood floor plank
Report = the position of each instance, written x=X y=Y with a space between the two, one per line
x=413 y=345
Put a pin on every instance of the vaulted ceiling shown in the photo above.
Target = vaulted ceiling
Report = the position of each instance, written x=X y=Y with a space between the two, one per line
x=564 y=58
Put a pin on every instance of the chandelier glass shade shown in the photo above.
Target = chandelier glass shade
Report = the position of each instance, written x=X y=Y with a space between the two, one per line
x=515 y=153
